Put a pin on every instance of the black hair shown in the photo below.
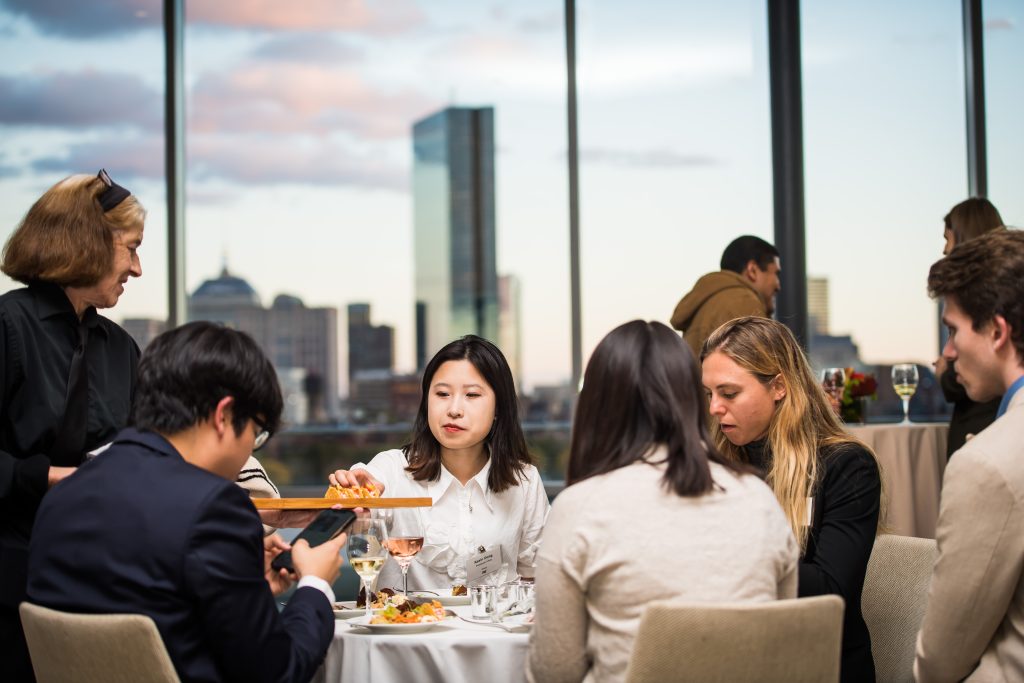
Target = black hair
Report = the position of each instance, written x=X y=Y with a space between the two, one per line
x=745 y=249
x=186 y=371
x=642 y=388
x=505 y=442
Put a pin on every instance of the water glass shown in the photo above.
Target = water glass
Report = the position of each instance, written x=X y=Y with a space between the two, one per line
x=483 y=601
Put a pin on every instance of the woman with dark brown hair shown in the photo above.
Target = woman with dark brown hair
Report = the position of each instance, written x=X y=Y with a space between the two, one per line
x=469 y=455
x=67 y=372
x=965 y=221
x=653 y=511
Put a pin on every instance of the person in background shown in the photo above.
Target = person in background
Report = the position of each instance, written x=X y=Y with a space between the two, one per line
x=652 y=512
x=156 y=525
x=746 y=285
x=973 y=626
x=469 y=455
x=967 y=220
x=769 y=411
x=66 y=372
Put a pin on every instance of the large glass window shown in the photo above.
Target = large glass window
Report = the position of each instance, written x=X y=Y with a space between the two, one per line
x=675 y=150
x=1004 y=100
x=72 y=101
x=885 y=158
x=366 y=186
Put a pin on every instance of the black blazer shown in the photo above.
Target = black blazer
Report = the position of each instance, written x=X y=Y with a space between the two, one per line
x=140 y=530
x=845 y=519
x=846 y=509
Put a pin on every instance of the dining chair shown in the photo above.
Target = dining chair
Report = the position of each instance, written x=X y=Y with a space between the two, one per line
x=95 y=648
x=893 y=602
x=797 y=641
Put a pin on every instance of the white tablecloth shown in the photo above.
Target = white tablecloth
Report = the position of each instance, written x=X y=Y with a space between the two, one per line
x=455 y=652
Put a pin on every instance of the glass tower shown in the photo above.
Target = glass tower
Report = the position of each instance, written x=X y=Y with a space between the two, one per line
x=453 y=199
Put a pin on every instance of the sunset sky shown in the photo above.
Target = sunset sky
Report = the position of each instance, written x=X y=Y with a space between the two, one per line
x=299 y=150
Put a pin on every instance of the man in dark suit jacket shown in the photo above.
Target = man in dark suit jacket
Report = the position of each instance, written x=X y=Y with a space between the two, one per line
x=157 y=526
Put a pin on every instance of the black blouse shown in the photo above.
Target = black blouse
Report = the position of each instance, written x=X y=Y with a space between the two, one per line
x=38 y=336
x=845 y=520
x=969 y=417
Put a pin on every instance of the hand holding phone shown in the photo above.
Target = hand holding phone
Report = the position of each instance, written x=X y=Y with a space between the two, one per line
x=327 y=525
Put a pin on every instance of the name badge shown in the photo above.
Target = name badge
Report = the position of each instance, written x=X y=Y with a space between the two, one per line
x=483 y=563
x=810 y=511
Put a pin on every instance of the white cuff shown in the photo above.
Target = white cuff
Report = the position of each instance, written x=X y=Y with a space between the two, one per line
x=319 y=584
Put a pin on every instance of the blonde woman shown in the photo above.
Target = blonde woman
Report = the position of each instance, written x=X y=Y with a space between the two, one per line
x=768 y=411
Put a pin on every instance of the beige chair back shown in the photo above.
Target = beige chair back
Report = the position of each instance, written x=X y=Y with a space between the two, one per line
x=95 y=648
x=893 y=602
x=795 y=641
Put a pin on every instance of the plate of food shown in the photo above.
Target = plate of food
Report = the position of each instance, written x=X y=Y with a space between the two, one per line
x=409 y=617
x=449 y=597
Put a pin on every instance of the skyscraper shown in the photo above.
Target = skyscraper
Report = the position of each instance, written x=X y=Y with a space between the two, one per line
x=454 y=231
x=817 y=305
x=509 y=330
x=370 y=347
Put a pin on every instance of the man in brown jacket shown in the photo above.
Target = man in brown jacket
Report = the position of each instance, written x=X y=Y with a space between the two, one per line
x=974 y=624
x=746 y=285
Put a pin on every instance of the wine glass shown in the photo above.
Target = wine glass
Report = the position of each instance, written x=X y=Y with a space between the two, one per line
x=367 y=538
x=833 y=381
x=404 y=546
x=904 y=381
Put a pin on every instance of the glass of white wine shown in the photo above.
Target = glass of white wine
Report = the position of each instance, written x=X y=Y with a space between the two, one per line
x=367 y=552
x=904 y=381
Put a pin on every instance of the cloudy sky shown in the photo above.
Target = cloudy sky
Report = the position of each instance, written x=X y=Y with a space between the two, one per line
x=299 y=150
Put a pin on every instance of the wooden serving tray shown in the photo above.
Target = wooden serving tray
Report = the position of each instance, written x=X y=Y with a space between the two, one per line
x=324 y=503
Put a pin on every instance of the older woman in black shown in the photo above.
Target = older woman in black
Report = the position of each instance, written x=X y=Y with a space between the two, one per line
x=66 y=372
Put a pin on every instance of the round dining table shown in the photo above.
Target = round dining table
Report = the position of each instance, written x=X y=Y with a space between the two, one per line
x=455 y=652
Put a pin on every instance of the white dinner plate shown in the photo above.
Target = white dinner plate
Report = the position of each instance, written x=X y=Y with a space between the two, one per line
x=442 y=595
x=393 y=629
x=347 y=610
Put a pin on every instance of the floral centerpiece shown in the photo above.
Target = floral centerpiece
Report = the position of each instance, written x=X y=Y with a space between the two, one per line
x=858 y=388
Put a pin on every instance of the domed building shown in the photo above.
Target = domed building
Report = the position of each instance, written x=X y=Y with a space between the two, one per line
x=301 y=342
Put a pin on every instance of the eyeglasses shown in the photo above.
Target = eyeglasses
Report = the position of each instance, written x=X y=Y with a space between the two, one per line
x=262 y=435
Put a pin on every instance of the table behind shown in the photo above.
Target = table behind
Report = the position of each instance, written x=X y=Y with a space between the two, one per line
x=913 y=458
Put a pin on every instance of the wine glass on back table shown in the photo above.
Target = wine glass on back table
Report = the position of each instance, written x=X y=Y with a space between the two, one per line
x=403 y=546
x=904 y=381
x=367 y=553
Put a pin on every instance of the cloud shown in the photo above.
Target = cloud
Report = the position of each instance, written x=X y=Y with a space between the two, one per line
x=88 y=19
x=239 y=159
x=278 y=98
x=80 y=19
x=80 y=99
x=652 y=158
x=1000 y=24
x=270 y=161
x=380 y=17
x=307 y=47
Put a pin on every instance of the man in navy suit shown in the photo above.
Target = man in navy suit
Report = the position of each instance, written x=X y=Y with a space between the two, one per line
x=156 y=525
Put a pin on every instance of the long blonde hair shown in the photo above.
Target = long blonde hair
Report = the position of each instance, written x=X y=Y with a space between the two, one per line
x=803 y=423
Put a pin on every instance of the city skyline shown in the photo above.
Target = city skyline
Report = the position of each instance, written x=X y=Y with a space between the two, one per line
x=300 y=155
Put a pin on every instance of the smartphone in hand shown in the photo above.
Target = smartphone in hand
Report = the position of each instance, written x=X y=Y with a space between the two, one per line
x=326 y=526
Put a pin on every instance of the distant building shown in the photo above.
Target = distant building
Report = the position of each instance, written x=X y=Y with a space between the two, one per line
x=454 y=227
x=370 y=347
x=292 y=335
x=382 y=397
x=833 y=351
x=509 y=325
x=817 y=305
x=143 y=330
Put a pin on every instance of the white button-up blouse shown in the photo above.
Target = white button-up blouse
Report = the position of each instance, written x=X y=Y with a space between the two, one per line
x=462 y=519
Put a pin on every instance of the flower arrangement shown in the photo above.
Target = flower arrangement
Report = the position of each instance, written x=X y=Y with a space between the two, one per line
x=859 y=387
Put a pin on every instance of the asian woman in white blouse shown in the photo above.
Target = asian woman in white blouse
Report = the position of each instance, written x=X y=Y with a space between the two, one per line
x=469 y=455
